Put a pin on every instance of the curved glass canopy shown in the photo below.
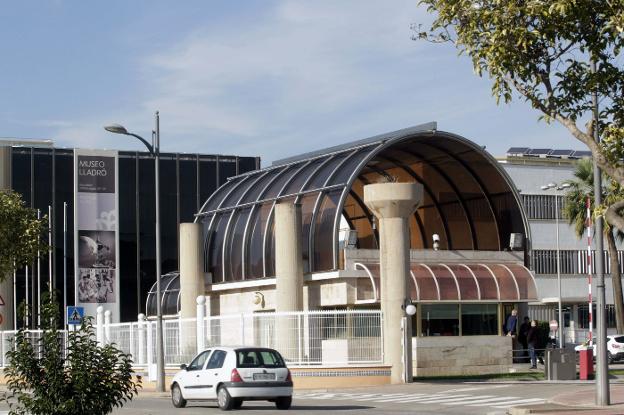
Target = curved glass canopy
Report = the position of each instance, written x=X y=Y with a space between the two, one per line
x=456 y=282
x=469 y=201
x=170 y=292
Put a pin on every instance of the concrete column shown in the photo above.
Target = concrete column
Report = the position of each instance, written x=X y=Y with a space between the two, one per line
x=191 y=268
x=6 y=286
x=191 y=285
x=288 y=276
x=392 y=204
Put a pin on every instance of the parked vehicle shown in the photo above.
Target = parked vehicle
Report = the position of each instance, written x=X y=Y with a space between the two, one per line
x=232 y=375
x=615 y=347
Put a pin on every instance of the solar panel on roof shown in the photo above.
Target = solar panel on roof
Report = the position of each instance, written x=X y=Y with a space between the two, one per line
x=518 y=150
x=582 y=153
x=539 y=152
x=561 y=153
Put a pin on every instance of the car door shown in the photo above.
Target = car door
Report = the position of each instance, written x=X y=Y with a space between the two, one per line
x=190 y=379
x=211 y=375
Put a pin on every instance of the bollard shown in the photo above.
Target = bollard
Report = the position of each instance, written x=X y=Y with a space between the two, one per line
x=141 y=326
x=200 y=320
x=107 y=323
x=99 y=324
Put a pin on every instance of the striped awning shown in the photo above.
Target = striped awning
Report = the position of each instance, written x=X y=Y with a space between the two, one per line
x=457 y=282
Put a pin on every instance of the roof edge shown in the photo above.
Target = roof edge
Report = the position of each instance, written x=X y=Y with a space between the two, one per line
x=429 y=126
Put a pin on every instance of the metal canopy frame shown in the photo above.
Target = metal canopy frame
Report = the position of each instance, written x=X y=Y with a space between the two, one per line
x=323 y=181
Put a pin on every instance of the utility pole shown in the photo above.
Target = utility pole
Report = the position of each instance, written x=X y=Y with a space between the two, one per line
x=602 y=366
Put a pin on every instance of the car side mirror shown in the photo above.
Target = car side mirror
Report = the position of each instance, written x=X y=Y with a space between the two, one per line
x=183 y=366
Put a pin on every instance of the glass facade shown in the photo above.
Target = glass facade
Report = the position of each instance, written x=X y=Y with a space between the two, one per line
x=44 y=177
x=468 y=201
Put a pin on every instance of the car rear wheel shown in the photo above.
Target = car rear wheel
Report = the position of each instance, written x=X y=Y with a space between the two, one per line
x=176 y=397
x=283 y=402
x=224 y=399
x=609 y=357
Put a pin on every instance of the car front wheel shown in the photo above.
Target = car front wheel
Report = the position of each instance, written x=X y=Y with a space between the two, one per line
x=224 y=399
x=283 y=402
x=176 y=397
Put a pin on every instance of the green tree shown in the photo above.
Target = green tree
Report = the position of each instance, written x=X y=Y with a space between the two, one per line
x=576 y=212
x=20 y=233
x=90 y=379
x=541 y=50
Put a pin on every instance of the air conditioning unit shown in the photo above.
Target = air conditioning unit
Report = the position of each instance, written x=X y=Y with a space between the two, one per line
x=516 y=241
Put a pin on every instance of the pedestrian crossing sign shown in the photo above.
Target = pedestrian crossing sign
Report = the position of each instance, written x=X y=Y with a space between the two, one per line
x=75 y=315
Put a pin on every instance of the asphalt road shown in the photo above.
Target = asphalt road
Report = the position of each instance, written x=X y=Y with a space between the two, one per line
x=416 y=398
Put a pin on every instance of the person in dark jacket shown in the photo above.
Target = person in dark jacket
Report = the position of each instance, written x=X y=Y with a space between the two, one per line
x=532 y=342
x=522 y=337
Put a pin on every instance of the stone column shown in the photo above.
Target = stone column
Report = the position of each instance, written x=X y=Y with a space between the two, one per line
x=6 y=286
x=392 y=204
x=191 y=284
x=288 y=276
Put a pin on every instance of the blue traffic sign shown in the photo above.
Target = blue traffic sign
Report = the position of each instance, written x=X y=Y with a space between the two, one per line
x=75 y=315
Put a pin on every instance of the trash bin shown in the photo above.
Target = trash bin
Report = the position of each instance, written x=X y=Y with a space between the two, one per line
x=586 y=364
x=560 y=364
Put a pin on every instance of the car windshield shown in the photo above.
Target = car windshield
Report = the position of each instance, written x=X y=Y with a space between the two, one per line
x=259 y=358
x=619 y=339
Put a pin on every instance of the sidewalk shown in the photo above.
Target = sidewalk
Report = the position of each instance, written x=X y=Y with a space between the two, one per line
x=577 y=403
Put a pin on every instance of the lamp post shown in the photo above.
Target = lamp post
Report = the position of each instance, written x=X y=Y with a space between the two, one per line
x=155 y=152
x=558 y=187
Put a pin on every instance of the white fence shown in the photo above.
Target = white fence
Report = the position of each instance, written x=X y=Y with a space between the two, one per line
x=303 y=338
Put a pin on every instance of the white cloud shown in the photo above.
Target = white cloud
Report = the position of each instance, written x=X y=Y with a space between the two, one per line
x=302 y=76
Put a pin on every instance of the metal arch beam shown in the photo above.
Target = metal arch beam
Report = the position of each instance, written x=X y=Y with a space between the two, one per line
x=243 y=180
x=477 y=180
x=435 y=280
x=459 y=297
x=474 y=277
x=415 y=285
x=269 y=221
x=227 y=227
x=345 y=192
x=513 y=277
x=311 y=234
x=495 y=280
x=251 y=214
x=360 y=202
x=458 y=193
x=429 y=191
x=370 y=276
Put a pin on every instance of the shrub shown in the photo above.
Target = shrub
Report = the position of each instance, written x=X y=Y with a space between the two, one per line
x=90 y=379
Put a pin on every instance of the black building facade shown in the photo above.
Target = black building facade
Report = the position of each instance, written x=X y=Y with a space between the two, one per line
x=44 y=177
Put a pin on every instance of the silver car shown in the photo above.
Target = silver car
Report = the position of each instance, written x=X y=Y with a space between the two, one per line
x=232 y=375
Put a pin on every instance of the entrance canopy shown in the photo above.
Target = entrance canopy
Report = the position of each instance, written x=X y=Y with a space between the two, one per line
x=496 y=282
x=469 y=201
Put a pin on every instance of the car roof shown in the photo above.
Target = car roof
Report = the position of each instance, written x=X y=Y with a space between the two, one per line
x=236 y=348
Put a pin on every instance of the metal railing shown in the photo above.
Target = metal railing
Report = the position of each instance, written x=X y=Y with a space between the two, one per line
x=344 y=337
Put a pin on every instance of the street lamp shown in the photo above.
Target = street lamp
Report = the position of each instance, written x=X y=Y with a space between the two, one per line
x=155 y=152
x=558 y=187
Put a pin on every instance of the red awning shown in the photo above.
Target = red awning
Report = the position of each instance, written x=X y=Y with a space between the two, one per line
x=457 y=282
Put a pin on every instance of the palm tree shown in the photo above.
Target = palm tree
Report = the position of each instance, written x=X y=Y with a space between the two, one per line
x=574 y=209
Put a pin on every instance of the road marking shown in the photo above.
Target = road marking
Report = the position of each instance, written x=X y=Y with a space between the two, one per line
x=407 y=396
x=478 y=388
x=477 y=400
x=389 y=396
x=519 y=402
x=450 y=399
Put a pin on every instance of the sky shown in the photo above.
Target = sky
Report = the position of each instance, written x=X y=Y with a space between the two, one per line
x=253 y=78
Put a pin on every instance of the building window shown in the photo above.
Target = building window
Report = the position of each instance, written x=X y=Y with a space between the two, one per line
x=479 y=319
x=542 y=206
x=440 y=320
x=544 y=261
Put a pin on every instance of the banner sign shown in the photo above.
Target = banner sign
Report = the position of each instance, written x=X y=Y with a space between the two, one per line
x=96 y=233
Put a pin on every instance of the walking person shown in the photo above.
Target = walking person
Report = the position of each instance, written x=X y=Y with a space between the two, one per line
x=532 y=342
x=522 y=338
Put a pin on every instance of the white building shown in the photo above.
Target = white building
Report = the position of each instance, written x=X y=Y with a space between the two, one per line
x=531 y=169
